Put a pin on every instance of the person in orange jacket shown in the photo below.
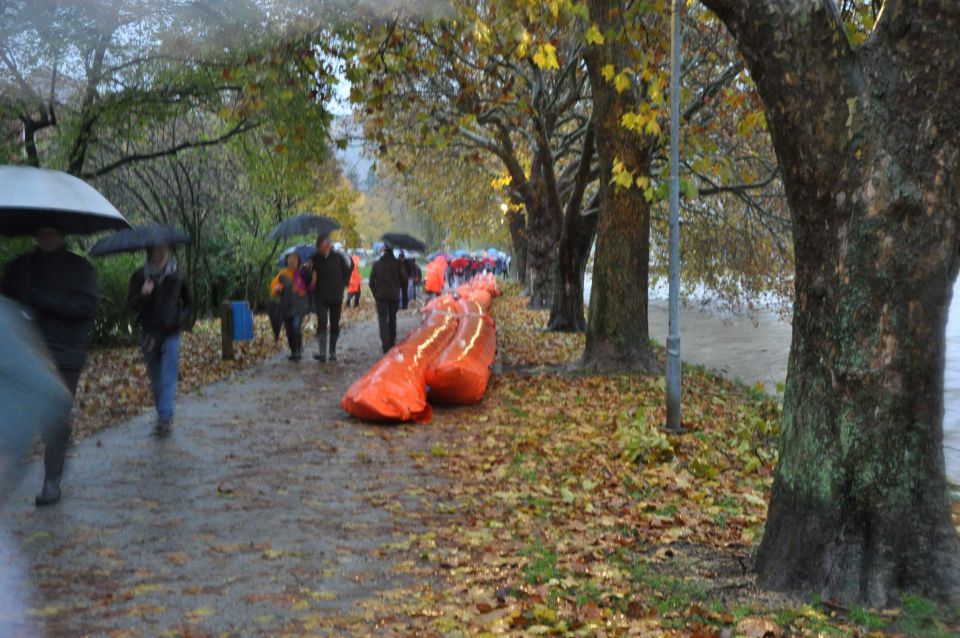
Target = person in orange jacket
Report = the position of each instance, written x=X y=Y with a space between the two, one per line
x=436 y=272
x=353 y=288
x=290 y=287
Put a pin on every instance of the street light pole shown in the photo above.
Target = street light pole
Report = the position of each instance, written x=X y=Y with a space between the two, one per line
x=674 y=423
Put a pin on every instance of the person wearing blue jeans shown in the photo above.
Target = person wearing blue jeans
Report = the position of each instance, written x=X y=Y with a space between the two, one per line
x=163 y=365
x=161 y=297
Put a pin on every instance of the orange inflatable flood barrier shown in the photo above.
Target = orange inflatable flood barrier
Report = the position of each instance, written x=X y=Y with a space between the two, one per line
x=461 y=372
x=394 y=389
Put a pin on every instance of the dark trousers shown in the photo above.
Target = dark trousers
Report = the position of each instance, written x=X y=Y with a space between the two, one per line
x=56 y=440
x=404 y=294
x=355 y=297
x=328 y=310
x=387 y=318
x=293 y=326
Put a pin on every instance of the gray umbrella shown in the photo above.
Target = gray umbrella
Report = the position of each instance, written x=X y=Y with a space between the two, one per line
x=304 y=225
x=138 y=238
x=31 y=392
x=32 y=198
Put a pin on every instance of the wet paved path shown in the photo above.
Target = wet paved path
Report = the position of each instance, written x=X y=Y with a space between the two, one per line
x=263 y=514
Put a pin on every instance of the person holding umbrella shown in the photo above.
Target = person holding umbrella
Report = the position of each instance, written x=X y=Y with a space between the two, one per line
x=161 y=297
x=61 y=291
x=291 y=287
x=404 y=282
x=332 y=272
x=385 y=279
x=163 y=301
x=58 y=289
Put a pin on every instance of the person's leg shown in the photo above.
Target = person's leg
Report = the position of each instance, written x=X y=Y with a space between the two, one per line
x=335 y=311
x=151 y=351
x=288 y=327
x=356 y=299
x=404 y=300
x=165 y=370
x=298 y=336
x=323 y=308
x=383 y=321
x=393 y=307
x=56 y=441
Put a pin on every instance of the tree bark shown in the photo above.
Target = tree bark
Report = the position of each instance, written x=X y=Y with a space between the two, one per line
x=518 y=239
x=544 y=226
x=576 y=239
x=868 y=143
x=618 y=336
x=566 y=312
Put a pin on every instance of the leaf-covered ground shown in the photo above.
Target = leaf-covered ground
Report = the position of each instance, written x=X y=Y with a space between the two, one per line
x=568 y=510
x=557 y=506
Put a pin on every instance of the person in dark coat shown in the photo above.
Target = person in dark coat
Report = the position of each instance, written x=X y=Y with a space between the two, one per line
x=61 y=292
x=331 y=274
x=414 y=277
x=162 y=299
x=385 y=280
x=404 y=282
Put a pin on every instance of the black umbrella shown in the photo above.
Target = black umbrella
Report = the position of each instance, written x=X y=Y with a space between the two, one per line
x=404 y=242
x=304 y=225
x=138 y=238
x=32 y=198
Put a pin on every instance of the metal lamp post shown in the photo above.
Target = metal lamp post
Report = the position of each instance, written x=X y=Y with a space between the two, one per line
x=674 y=423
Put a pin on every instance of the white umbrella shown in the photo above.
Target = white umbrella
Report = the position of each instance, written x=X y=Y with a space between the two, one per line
x=32 y=198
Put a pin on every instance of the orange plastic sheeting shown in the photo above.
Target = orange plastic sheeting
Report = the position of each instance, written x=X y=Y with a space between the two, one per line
x=461 y=373
x=482 y=297
x=394 y=389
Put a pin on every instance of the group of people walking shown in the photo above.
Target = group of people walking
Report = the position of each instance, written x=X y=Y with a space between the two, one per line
x=322 y=280
x=60 y=290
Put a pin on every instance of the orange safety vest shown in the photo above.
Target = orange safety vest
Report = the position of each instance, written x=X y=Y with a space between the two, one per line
x=355 y=276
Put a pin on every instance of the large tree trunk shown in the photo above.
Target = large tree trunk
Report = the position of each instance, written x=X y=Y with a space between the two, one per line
x=566 y=313
x=576 y=239
x=618 y=336
x=868 y=144
x=543 y=233
x=541 y=266
x=518 y=239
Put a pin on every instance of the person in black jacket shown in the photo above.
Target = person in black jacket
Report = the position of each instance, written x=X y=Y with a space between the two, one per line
x=404 y=283
x=161 y=297
x=414 y=277
x=331 y=274
x=60 y=290
x=385 y=279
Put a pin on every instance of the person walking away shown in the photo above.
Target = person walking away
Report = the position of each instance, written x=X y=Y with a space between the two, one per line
x=404 y=282
x=332 y=272
x=290 y=288
x=414 y=277
x=434 y=281
x=162 y=299
x=61 y=293
x=385 y=280
x=353 y=288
